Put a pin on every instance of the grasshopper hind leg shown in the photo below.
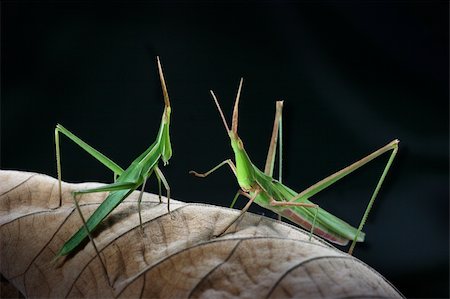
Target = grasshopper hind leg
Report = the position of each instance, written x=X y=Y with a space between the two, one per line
x=374 y=194
x=116 y=169
x=104 y=269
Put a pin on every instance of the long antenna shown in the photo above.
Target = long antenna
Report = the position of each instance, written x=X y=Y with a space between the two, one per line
x=220 y=111
x=234 y=124
x=163 y=83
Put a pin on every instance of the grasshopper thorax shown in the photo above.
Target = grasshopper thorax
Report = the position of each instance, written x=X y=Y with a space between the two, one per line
x=244 y=167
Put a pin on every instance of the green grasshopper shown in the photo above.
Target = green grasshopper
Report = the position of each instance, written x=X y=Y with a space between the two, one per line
x=261 y=188
x=126 y=181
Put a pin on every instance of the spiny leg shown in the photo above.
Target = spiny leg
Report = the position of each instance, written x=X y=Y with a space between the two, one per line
x=93 y=152
x=372 y=199
x=105 y=272
x=204 y=175
x=326 y=182
x=161 y=176
x=251 y=199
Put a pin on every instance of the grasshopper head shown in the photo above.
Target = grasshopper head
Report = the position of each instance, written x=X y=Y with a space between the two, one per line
x=244 y=168
x=236 y=142
x=163 y=85
x=166 y=151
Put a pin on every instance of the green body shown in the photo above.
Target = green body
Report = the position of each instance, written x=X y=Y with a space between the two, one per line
x=250 y=178
x=139 y=170
x=127 y=180
x=260 y=187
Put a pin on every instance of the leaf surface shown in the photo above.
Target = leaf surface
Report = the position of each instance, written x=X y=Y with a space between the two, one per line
x=176 y=256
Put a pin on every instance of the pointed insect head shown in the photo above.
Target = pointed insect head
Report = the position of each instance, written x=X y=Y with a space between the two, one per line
x=236 y=142
x=166 y=145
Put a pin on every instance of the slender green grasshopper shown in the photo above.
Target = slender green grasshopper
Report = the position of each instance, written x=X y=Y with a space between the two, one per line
x=261 y=188
x=126 y=181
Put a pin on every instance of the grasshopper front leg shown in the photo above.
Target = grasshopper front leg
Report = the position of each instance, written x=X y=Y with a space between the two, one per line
x=251 y=199
x=204 y=175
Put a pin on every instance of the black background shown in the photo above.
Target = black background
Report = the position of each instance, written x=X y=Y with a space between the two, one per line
x=353 y=77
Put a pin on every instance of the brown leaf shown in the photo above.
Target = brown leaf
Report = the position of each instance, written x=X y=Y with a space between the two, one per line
x=177 y=256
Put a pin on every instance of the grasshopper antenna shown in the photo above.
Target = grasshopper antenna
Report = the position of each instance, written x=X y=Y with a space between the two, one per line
x=220 y=111
x=163 y=83
x=234 y=124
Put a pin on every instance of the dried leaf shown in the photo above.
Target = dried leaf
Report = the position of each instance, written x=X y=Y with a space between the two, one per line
x=177 y=256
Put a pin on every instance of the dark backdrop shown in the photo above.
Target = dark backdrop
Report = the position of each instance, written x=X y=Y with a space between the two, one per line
x=353 y=77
